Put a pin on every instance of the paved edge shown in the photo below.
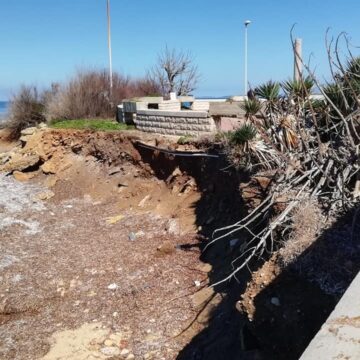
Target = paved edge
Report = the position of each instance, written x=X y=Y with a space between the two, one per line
x=339 y=337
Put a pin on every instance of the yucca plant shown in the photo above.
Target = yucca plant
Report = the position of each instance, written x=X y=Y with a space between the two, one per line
x=251 y=108
x=298 y=89
x=353 y=67
x=269 y=91
x=335 y=93
x=243 y=134
x=246 y=149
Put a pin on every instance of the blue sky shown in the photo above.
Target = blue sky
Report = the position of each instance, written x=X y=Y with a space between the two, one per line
x=42 y=41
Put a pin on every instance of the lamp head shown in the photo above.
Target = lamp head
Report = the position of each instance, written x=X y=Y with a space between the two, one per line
x=247 y=22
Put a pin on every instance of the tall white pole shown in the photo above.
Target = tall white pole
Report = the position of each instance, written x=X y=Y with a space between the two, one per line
x=297 y=59
x=247 y=23
x=109 y=44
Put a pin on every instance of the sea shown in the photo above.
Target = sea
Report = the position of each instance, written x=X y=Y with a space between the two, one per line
x=4 y=107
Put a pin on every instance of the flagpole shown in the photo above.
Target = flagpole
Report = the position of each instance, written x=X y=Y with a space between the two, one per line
x=109 y=44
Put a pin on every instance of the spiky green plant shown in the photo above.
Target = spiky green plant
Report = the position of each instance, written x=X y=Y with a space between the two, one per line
x=353 y=67
x=335 y=92
x=251 y=108
x=243 y=134
x=298 y=89
x=269 y=91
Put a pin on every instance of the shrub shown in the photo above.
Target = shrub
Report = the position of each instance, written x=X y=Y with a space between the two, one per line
x=87 y=95
x=26 y=109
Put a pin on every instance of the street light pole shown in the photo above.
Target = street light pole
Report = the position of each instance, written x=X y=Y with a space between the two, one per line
x=109 y=44
x=246 y=23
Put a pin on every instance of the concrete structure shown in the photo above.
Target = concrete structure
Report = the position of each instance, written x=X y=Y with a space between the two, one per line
x=182 y=116
x=189 y=123
x=339 y=337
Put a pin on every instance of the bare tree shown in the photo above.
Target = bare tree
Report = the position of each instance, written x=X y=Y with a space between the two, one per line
x=175 y=72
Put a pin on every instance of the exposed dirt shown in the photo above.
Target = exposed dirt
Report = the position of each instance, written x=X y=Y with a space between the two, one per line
x=100 y=256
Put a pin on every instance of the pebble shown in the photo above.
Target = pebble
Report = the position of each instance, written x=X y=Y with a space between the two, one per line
x=110 y=351
x=112 y=286
x=275 y=301
x=108 y=343
x=124 y=352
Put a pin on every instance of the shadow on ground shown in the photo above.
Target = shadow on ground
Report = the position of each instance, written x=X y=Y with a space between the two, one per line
x=307 y=289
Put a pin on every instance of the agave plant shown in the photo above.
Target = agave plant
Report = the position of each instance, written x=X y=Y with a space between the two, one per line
x=270 y=91
x=335 y=93
x=243 y=134
x=353 y=67
x=247 y=150
x=298 y=89
x=251 y=108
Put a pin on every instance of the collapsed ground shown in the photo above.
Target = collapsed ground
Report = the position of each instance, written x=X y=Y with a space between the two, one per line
x=100 y=241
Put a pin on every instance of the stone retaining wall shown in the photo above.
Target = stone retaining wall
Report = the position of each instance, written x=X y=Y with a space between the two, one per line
x=181 y=123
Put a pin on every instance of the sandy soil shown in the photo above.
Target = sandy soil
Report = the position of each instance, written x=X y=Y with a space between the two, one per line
x=109 y=273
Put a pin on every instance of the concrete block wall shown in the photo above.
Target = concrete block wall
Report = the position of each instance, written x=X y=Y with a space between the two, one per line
x=181 y=123
x=170 y=105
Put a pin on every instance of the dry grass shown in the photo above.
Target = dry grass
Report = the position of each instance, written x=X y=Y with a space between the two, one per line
x=87 y=95
x=307 y=223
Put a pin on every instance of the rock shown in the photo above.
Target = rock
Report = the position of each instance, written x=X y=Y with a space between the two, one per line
x=166 y=248
x=172 y=227
x=197 y=283
x=116 y=338
x=49 y=167
x=24 y=139
x=132 y=236
x=144 y=200
x=110 y=351
x=109 y=343
x=42 y=125
x=51 y=181
x=21 y=162
x=112 y=286
x=210 y=220
x=4 y=158
x=275 y=301
x=45 y=195
x=233 y=242
x=114 y=170
x=130 y=357
x=201 y=297
x=206 y=268
x=124 y=352
x=176 y=172
x=28 y=131
x=114 y=219
x=20 y=176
